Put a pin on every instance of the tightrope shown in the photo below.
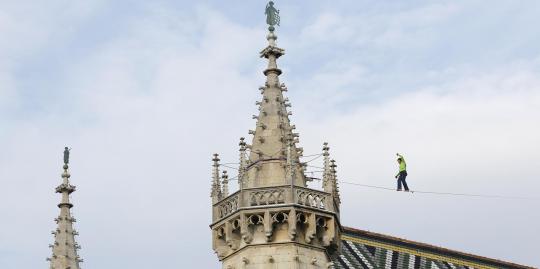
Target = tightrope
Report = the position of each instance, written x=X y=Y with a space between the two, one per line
x=443 y=193
x=492 y=196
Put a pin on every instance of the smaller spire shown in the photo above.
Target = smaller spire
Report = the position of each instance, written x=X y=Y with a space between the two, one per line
x=335 y=186
x=291 y=165
x=225 y=178
x=330 y=184
x=64 y=249
x=243 y=163
x=216 y=186
x=327 y=173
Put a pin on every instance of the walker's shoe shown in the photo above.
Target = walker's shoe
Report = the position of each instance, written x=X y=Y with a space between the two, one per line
x=398 y=189
x=407 y=190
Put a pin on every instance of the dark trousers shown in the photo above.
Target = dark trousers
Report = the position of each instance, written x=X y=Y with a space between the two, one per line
x=401 y=179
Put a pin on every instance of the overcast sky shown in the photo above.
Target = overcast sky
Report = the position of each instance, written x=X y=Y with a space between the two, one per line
x=145 y=91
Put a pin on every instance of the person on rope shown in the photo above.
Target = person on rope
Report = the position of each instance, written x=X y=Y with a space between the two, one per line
x=402 y=174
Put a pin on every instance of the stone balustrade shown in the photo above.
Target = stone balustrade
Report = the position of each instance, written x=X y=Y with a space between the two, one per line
x=275 y=195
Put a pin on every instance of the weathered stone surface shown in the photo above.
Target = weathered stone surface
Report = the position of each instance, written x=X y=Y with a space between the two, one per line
x=64 y=248
x=274 y=220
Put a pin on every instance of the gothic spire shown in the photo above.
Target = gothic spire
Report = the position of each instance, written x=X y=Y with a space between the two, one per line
x=335 y=186
x=274 y=156
x=330 y=184
x=64 y=249
x=216 y=185
x=225 y=180
x=327 y=173
x=242 y=164
x=274 y=220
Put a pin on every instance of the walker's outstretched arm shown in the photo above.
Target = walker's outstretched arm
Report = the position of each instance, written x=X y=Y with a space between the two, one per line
x=402 y=158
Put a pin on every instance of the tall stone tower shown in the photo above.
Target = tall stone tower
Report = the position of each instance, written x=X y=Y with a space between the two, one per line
x=274 y=220
x=64 y=248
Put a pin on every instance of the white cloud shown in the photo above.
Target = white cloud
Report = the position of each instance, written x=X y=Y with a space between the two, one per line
x=7 y=90
x=146 y=108
x=143 y=119
x=388 y=29
x=480 y=136
x=27 y=28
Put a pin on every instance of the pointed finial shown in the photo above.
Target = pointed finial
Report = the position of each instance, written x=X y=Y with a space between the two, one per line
x=216 y=186
x=327 y=173
x=242 y=144
x=66 y=175
x=65 y=188
x=326 y=149
x=335 y=187
x=272 y=19
x=243 y=164
x=225 y=177
x=333 y=166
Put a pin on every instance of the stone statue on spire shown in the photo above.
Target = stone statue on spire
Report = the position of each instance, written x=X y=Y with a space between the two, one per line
x=66 y=155
x=272 y=16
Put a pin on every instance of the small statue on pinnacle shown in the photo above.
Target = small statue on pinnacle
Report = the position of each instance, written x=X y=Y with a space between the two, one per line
x=66 y=155
x=272 y=16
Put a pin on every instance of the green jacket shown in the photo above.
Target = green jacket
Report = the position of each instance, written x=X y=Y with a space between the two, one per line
x=402 y=165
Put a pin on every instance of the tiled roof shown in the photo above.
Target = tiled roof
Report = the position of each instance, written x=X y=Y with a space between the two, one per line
x=363 y=249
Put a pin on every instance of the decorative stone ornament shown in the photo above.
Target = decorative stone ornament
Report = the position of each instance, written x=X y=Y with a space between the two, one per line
x=274 y=217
